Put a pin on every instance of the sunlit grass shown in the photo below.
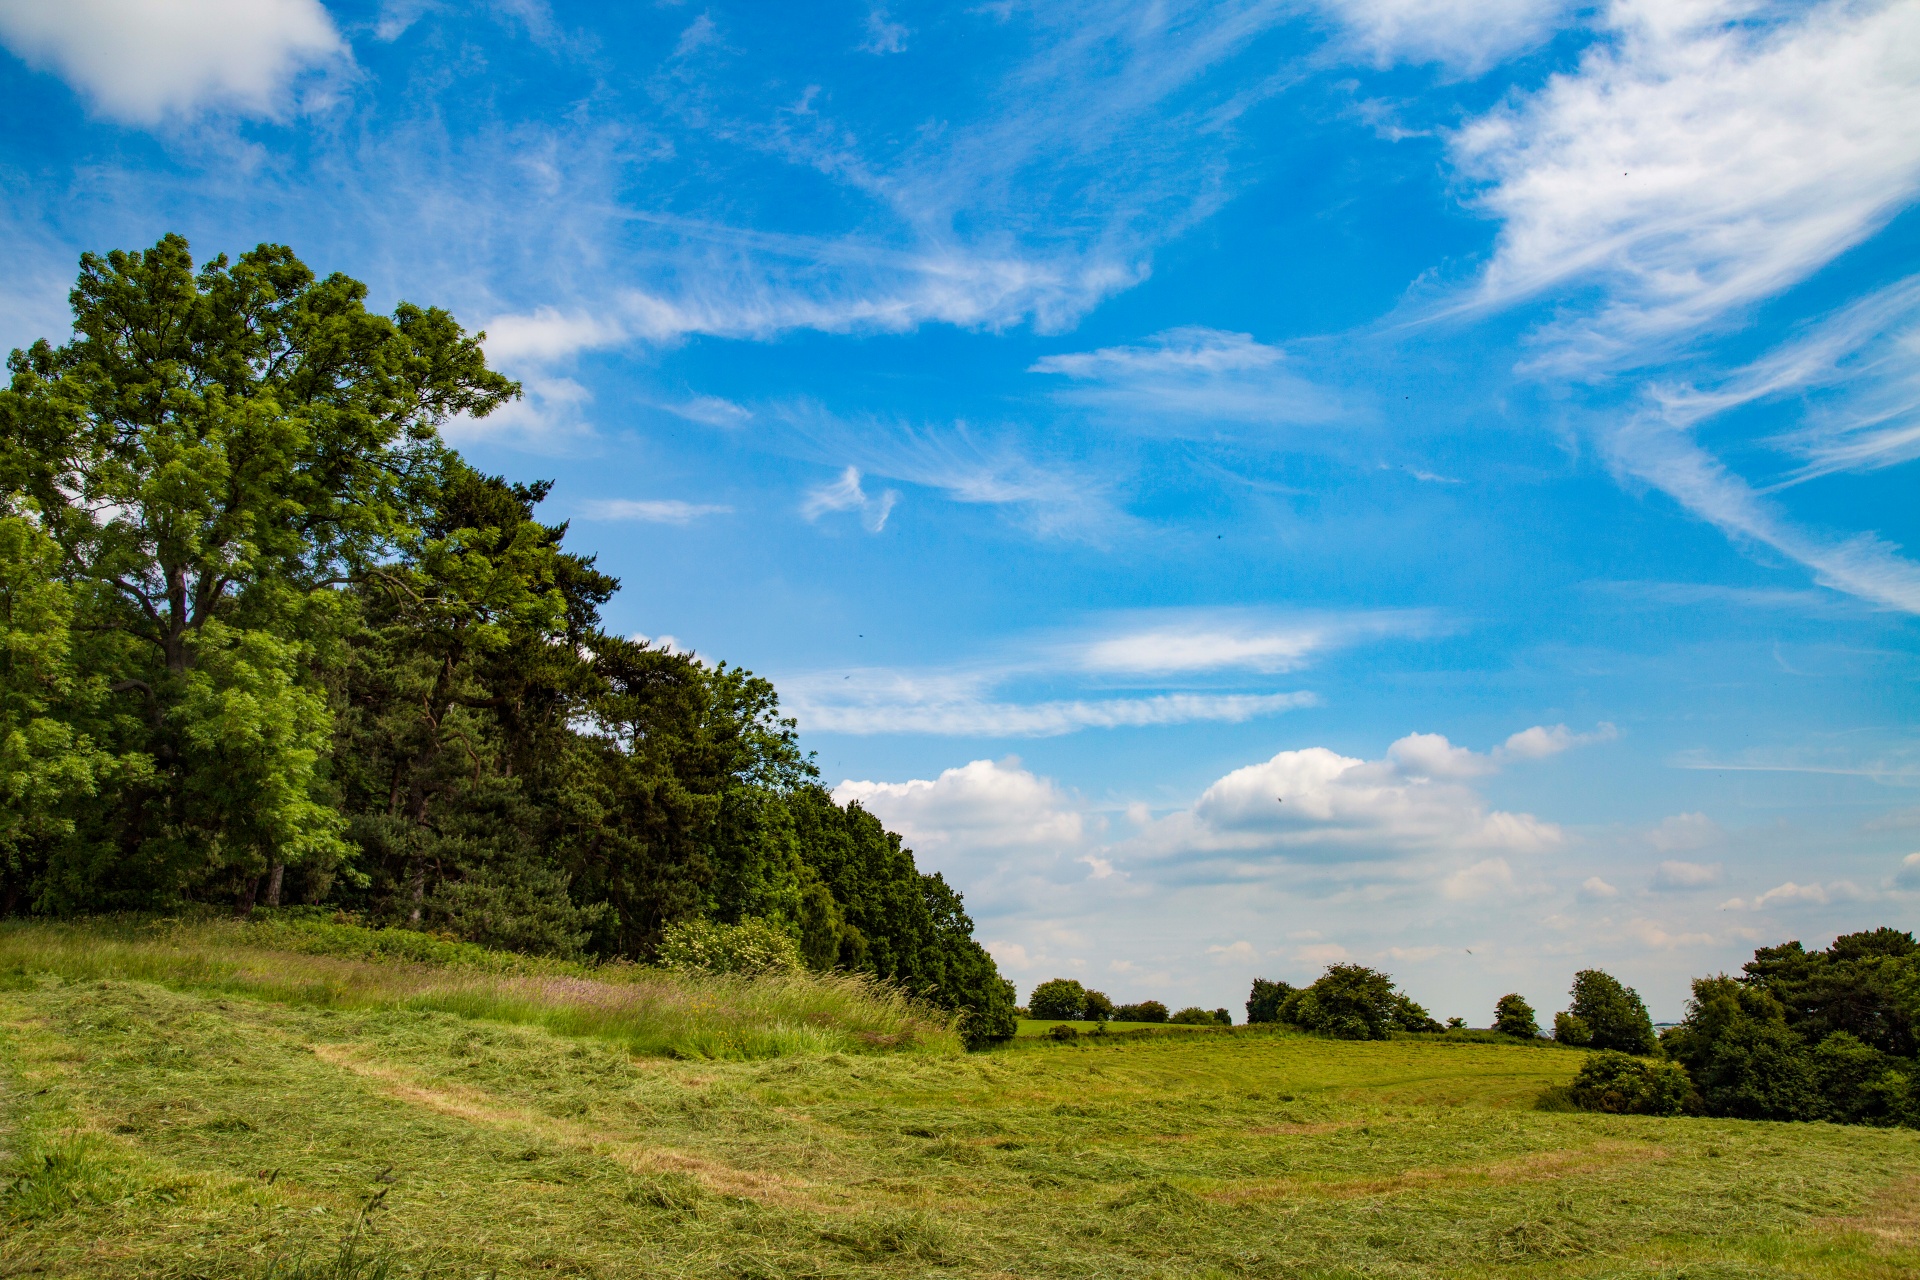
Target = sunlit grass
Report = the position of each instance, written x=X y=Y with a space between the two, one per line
x=648 y=1011
x=159 y=1127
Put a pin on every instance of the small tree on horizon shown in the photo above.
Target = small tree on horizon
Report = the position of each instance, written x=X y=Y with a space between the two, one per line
x=1061 y=998
x=1613 y=1013
x=1513 y=1016
x=1098 y=1007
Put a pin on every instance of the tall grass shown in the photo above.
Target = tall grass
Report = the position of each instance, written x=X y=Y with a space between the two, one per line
x=343 y=966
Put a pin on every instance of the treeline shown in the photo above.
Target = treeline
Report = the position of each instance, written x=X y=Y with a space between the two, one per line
x=265 y=638
x=1796 y=1035
x=1067 y=1000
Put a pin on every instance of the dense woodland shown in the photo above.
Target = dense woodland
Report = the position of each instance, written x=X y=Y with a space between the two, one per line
x=266 y=639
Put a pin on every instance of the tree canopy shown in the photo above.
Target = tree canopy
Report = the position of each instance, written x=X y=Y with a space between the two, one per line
x=265 y=638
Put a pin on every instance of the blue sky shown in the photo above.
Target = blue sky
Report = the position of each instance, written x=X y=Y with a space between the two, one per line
x=1239 y=486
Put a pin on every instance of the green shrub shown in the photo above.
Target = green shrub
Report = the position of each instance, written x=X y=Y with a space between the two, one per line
x=1098 y=1007
x=1858 y=1084
x=1569 y=1029
x=750 y=947
x=1222 y=1017
x=1513 y=1016
x=1063 y=1031
x=1145 y=1011
x=1625 y=1085
x=1058 y=998
x=1192 y=1016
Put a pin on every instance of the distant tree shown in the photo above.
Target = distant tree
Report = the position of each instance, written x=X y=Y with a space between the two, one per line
x=1059 y=998
x=1193 y=1016
x=1263 y=1004
x=1098 y=1007
x=1612 y=1012
x=1145 y=1011
x=1456 y=1023
x=1223 y=1017
x=1514 y=1016
x=1348 y=1001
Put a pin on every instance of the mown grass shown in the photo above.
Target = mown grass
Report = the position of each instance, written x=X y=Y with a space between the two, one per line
x=336 y=966
x=171 y=1130
x=1029 y=1027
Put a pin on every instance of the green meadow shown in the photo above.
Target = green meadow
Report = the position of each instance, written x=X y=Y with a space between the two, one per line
x=228 y=1101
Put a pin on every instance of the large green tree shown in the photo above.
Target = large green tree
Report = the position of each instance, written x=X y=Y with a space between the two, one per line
x=262 y=634
x=210 y=455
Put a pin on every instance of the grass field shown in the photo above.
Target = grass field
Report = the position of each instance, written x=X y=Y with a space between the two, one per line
x=169 y=1125
x=1040 y=1026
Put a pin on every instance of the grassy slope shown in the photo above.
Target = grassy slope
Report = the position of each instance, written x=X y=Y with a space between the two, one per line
x=645 y=1011
x=180 y=1131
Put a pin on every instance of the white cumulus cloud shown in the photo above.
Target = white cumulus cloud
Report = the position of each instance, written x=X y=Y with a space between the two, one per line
x=143 y=61
x=1318 y=805
x=981 y=806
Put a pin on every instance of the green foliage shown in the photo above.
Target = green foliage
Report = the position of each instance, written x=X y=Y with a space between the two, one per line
x=1513 y=1016
x=1223 y=1017
x=1612 y=1014
x=1097 y=1007
x=1192 y=1016
x=1145 y=1011
x=1263 y=1004
x=1353 y=1002
x=1625 y=1085
x=1809 y=1035
x=1058 y=998
x=1571 y=1030
x=1063 y=1031
x=309 y=654
x=752 y=946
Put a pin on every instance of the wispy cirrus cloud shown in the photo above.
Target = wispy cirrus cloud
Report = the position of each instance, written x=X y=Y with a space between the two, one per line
x=1191 y=378
x=1053 y=497
x=1704 y=156
x=965 y=705
x=1130 y=670
x=848 y=493
x=1468 y=35
x=650 y=510
x=1209 y=640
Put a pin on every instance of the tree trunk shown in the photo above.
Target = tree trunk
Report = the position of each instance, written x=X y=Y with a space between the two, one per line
x=419 y=887
x=243 y=903
x=275 y=874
